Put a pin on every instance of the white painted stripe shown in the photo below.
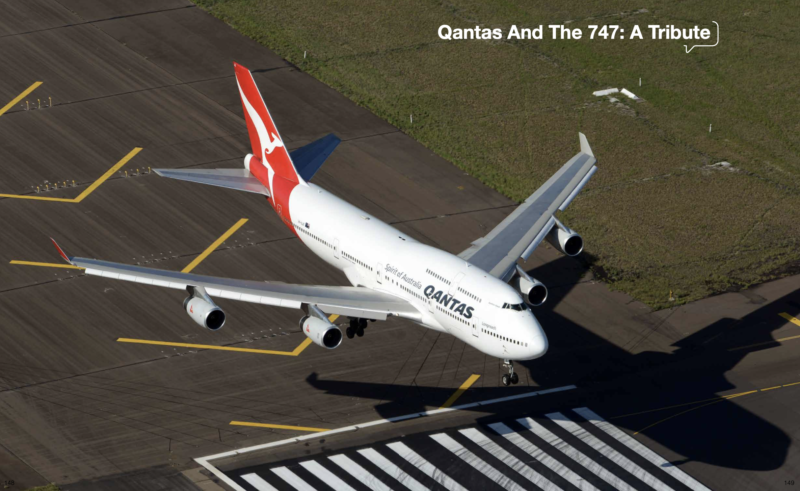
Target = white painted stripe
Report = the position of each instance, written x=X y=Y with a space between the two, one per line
x=388 y=467
x=293 y=479
x=433 y=412
x=476 y=462
x=221 y=475
x=575 y=454
x=490 y=446
x=426 y=467
x=326 y=476
x=542 y=457
x=257 y=482
x=355 y=470
x=608 y=452
x=642 y=450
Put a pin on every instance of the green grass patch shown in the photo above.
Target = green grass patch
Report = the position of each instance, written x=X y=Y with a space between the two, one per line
x=656 y=217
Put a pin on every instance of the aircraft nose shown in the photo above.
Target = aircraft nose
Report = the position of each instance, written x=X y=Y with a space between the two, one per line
x=537 y=346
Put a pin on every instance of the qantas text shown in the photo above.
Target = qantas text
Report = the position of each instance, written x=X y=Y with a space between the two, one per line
x=448 y=301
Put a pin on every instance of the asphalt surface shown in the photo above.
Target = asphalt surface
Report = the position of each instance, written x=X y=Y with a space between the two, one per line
x=79 y=408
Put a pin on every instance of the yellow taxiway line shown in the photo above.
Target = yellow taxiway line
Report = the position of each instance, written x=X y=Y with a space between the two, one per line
x=19 y=97
x=203 y=255
x=86 y=192
x=296 y=351
x=279 y=427
x=788 y=317
x=46 y=265
x=708 y=402
x=466 y=385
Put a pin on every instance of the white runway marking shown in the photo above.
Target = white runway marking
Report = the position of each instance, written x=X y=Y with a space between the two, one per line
x=293 y=479
x=608 y=452
x=637 y=447
x=429 y=469
x=479 y=464
x=575 y=454
x=388 y=467
x=258 y=483
x=542 y=457
x=363 y=475
x=326 y=476
x=508 y=459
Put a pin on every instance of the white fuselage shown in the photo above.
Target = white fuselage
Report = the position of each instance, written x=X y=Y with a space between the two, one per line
x=451 y=295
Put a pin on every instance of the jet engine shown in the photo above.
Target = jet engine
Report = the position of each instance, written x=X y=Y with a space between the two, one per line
x=203 y=310
x=534 y=290
x=322 y=332
x=565 y=239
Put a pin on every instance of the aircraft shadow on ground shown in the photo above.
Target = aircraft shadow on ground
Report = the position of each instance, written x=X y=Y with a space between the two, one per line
x=726 y=436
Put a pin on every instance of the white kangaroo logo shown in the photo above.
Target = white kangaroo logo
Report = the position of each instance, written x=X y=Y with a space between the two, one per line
x=272 y=144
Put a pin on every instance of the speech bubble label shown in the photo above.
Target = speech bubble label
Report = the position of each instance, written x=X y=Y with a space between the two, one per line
x=688 y=49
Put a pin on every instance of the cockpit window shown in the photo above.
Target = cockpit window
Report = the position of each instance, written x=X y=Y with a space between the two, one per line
x=516 y=306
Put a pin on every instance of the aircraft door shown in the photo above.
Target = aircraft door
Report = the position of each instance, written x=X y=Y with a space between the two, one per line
x=475 y=328
x=380 y=273
x=454 y=283
x=336 y=248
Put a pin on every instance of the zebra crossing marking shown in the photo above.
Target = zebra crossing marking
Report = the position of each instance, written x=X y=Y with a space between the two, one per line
x=478 y=463
x=640 y=449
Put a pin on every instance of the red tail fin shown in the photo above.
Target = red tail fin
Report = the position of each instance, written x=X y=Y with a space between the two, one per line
x=264 y=136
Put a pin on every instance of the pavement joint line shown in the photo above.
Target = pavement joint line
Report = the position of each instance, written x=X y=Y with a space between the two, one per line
x=15 y=100
x=295 y=352
x=466 y=385
x=279 y=427
x=709 y=402
x=788 y=317
x=86 y=192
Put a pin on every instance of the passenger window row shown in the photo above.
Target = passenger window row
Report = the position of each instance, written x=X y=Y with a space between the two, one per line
x=454 y=316
x=470 y=295
x=318 y=239
x=503 y=338
x=437 y=276
x=357 y=261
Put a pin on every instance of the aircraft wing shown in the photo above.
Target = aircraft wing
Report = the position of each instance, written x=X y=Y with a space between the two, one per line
x=239 y=179
x=522 y=231
x=347 y=301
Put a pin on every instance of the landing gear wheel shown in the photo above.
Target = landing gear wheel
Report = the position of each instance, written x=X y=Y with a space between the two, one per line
x=360 y=332
x=506 y=379
x=514 y=378
x=362 y=323
x=350 y=333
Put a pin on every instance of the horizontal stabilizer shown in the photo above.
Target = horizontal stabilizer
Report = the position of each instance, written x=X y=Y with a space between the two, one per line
x=308 y=159
x=239 y=179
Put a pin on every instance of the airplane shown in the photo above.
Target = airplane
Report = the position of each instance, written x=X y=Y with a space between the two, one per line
x=481 y=296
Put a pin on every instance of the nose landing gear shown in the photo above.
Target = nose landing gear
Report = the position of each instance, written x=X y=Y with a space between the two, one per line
x=356 y=328
x=511 y=377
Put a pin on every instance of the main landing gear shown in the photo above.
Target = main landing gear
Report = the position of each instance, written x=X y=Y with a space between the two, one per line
x=511 y=377
x=356 y=328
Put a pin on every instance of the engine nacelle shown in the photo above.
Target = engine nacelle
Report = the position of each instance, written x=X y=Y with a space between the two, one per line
x=565 y=239
x=322 y=332
x=204 y=312
x=535 y=291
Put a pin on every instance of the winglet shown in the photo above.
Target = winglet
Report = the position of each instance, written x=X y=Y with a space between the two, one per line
x=585 y=148
x=61 y=252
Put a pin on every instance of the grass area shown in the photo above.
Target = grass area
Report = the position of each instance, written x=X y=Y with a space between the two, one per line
x=657 y=217
x=49 y=487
